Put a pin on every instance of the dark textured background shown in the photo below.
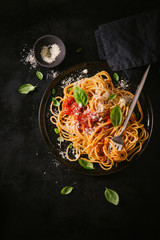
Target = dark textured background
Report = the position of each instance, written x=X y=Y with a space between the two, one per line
x=31 y=206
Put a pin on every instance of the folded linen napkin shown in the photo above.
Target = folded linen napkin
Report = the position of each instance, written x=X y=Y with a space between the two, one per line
x=130 y=42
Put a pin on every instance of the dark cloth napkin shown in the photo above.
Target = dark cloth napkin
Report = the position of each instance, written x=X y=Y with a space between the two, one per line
x=130 y=42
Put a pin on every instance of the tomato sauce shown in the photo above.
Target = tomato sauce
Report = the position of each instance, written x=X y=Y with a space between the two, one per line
x=84 y=117
x=87 y=118
x=70 y=107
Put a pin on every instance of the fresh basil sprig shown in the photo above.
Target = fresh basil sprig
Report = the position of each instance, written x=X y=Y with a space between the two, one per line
x=70 y=145
x=39 y=75
x=86 y=164
x=112 y=96
x=80 y=96
x=53 y=91
x=66 y=190
x=56 y=130
x=116 y=116
x=78 y=50
x=55 y=102
x=116 y=77
x=111 y=196
x=69 y=89
x=26 y=88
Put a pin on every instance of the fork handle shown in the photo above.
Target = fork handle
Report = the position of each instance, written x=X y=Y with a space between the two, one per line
x=137 y=94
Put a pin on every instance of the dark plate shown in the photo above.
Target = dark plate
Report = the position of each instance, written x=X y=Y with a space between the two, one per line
x=47 y=129
x=45 y=41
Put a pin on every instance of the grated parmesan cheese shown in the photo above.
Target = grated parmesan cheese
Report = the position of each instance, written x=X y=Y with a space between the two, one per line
x=106 y=95
x=100 y=107
x=122 y=101
x=50 y=52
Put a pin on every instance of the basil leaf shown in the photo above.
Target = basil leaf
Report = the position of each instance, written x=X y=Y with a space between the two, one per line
x=69 y=89
x=70 y=145
x=53 y=91
x=66 y=190
x=55 y=102
x=26 y=88
x=111 y=196
x=86 y=164
x=79 y=50
x=116 y=77
x=112 y=96
x=80 y=96
x=39 y=75
x=56 y=130
x=116 y=116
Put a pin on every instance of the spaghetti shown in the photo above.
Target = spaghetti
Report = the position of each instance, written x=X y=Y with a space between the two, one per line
x=89 y=127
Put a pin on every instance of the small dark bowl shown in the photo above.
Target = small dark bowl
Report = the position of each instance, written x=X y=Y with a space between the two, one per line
x=45 y=41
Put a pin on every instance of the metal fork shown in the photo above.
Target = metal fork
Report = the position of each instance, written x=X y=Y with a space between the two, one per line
x=118 y=141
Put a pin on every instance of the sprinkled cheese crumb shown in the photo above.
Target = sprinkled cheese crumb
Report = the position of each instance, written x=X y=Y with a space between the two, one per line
x=100 y=107
x=63 y=154
x=67 y=81
x=85 y=71
x=80 y=105
x=89 y=130
x=50 y=52
x=123 y=84
x=27 y=57
x=106 y=95
x=122 y=101
x=52 y=74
